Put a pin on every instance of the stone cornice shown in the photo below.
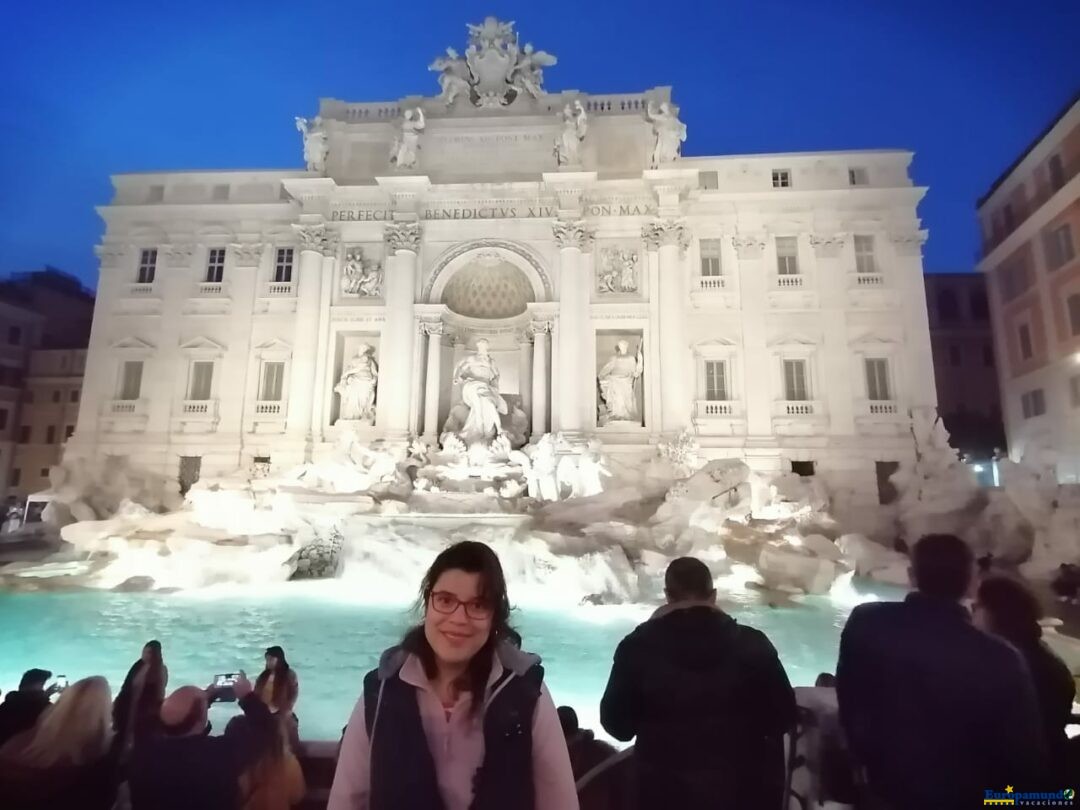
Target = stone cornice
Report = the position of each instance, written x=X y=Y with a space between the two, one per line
x=178 y=254
x=908 y=243
x=246 y=254
x=748 y=246
x=827 y=245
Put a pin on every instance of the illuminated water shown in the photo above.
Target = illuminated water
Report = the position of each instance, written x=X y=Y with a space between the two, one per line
x=332 y=640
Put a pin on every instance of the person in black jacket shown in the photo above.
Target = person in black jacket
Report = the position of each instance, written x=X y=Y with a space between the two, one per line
x=21 y=709
x=1007 y=608
x=935 y=711
x=707 y=699
x=185 y=767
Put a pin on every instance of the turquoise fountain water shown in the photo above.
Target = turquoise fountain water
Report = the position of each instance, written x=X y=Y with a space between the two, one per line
x=332 y=641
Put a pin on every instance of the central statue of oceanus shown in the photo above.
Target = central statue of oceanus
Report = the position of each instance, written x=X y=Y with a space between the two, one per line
x=478 y=377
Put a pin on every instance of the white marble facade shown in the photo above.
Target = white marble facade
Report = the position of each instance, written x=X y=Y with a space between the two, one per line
x=771 y=304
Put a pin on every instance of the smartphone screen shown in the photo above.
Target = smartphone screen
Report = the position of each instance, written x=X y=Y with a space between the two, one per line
x=226 y=679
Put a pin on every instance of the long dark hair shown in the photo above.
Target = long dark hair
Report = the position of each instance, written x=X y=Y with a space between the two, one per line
x=473 y=558
x=282 y=673
x=1013 y=609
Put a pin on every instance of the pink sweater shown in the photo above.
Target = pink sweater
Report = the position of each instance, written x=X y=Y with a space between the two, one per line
x=457 y=746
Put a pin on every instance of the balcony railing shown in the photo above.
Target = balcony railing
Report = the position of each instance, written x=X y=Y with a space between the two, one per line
x=879 y=407
x=271 y=409
x=869 y=280
x=1027 y=208
x=712 y=283
x=717 y=409
x=141 y=290
x=199 y=407
x=210 y=289
x=126 y=407
x=279 y=289
x=788 y=282
x=797 y=408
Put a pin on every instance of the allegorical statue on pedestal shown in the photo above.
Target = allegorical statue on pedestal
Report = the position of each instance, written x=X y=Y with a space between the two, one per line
x=479 y=379
x=316 y=147
x=668 y=133
x=406 y=150
x=618 y=381
x=357 y=385
x=568 y=143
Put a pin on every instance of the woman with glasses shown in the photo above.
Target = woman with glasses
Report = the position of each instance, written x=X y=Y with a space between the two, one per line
x=456 y=717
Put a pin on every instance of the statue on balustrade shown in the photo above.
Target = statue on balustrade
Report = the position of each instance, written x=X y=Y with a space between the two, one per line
x=316 y=147
x=618 y=381
x=478 y=377
x=406 y=150
x=668 y=131
x=568 y=143
x=357 y=385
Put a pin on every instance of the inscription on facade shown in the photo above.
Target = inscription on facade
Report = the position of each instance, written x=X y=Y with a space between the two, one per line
x=360 y=214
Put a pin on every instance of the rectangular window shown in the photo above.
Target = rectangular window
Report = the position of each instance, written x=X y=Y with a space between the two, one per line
x=864 y=254
x=858 y=176
x=787 y=256
x=1057 y=172
x=1033 y=403
x=716 y=387
x=1016 y=278
x=273 y=382
x=69 y=431
x=14 y=335
x=74 y=395
x=781 y=178
x=3 y=419
x=795 y=384
x=709 y=181
x=1073 y=305
x=1074 y=390
x=202 y=377
x=1009 y=217
x=220 y=193
x=16 y=477
x=887 y=492
x=803 y=468
x=56 y=395
x=147 y=265
x=155 y=194
x=24 y=434
x=50 y=435
x=215 y=265
x=44 y=472
x=1024 y=335
x=877 y=379
x=130 y=380
x=1058 y=247
x=710 y=257
x=283 y=263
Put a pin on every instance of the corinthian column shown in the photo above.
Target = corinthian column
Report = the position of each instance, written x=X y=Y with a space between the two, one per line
x=572 y=238
x=670 y=239
x=399 y=332
x=308 y=287
x=322 y=337
x=540 y=377
x=432 y=379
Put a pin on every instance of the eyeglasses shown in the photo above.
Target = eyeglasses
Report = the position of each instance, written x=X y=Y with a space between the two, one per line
x=445 y=602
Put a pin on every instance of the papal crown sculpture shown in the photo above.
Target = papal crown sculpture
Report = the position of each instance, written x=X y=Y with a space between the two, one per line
x=495 y=69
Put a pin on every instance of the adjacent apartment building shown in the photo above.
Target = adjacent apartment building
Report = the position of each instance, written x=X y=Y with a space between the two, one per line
x=45 y=319
x=1030 y=222
x=965 y=370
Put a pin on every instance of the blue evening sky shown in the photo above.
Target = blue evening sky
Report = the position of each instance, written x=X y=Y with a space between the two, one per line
x=93 y=88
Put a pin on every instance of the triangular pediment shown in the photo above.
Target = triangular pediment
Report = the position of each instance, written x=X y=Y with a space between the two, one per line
x=714 y=345
x=274 y=345
x=873 y=339
x=201 y=344
x=132 y=343
x=793 y=339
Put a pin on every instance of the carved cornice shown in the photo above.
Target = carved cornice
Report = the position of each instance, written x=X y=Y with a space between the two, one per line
x=827 y=245
x=573 y=234
x=110 y=254
x=311 y=237
x=402 y=236
x=748 y=246
x=666 y=232
x=908 y=243
x=247 y=254
x=179 y=254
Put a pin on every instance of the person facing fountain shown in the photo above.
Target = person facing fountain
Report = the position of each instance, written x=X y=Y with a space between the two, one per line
x=439 y=723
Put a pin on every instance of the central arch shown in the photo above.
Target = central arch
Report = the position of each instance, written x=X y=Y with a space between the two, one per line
x=494 y=254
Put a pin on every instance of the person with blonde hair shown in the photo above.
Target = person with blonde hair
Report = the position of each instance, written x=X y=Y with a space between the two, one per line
x=65 y=760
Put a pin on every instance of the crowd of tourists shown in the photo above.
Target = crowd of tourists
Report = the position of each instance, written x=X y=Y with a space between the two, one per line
x=937 y=703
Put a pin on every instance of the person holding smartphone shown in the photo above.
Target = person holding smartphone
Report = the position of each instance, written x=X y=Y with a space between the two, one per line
x=21 y=709
x=135 y=710
x=278 y=687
